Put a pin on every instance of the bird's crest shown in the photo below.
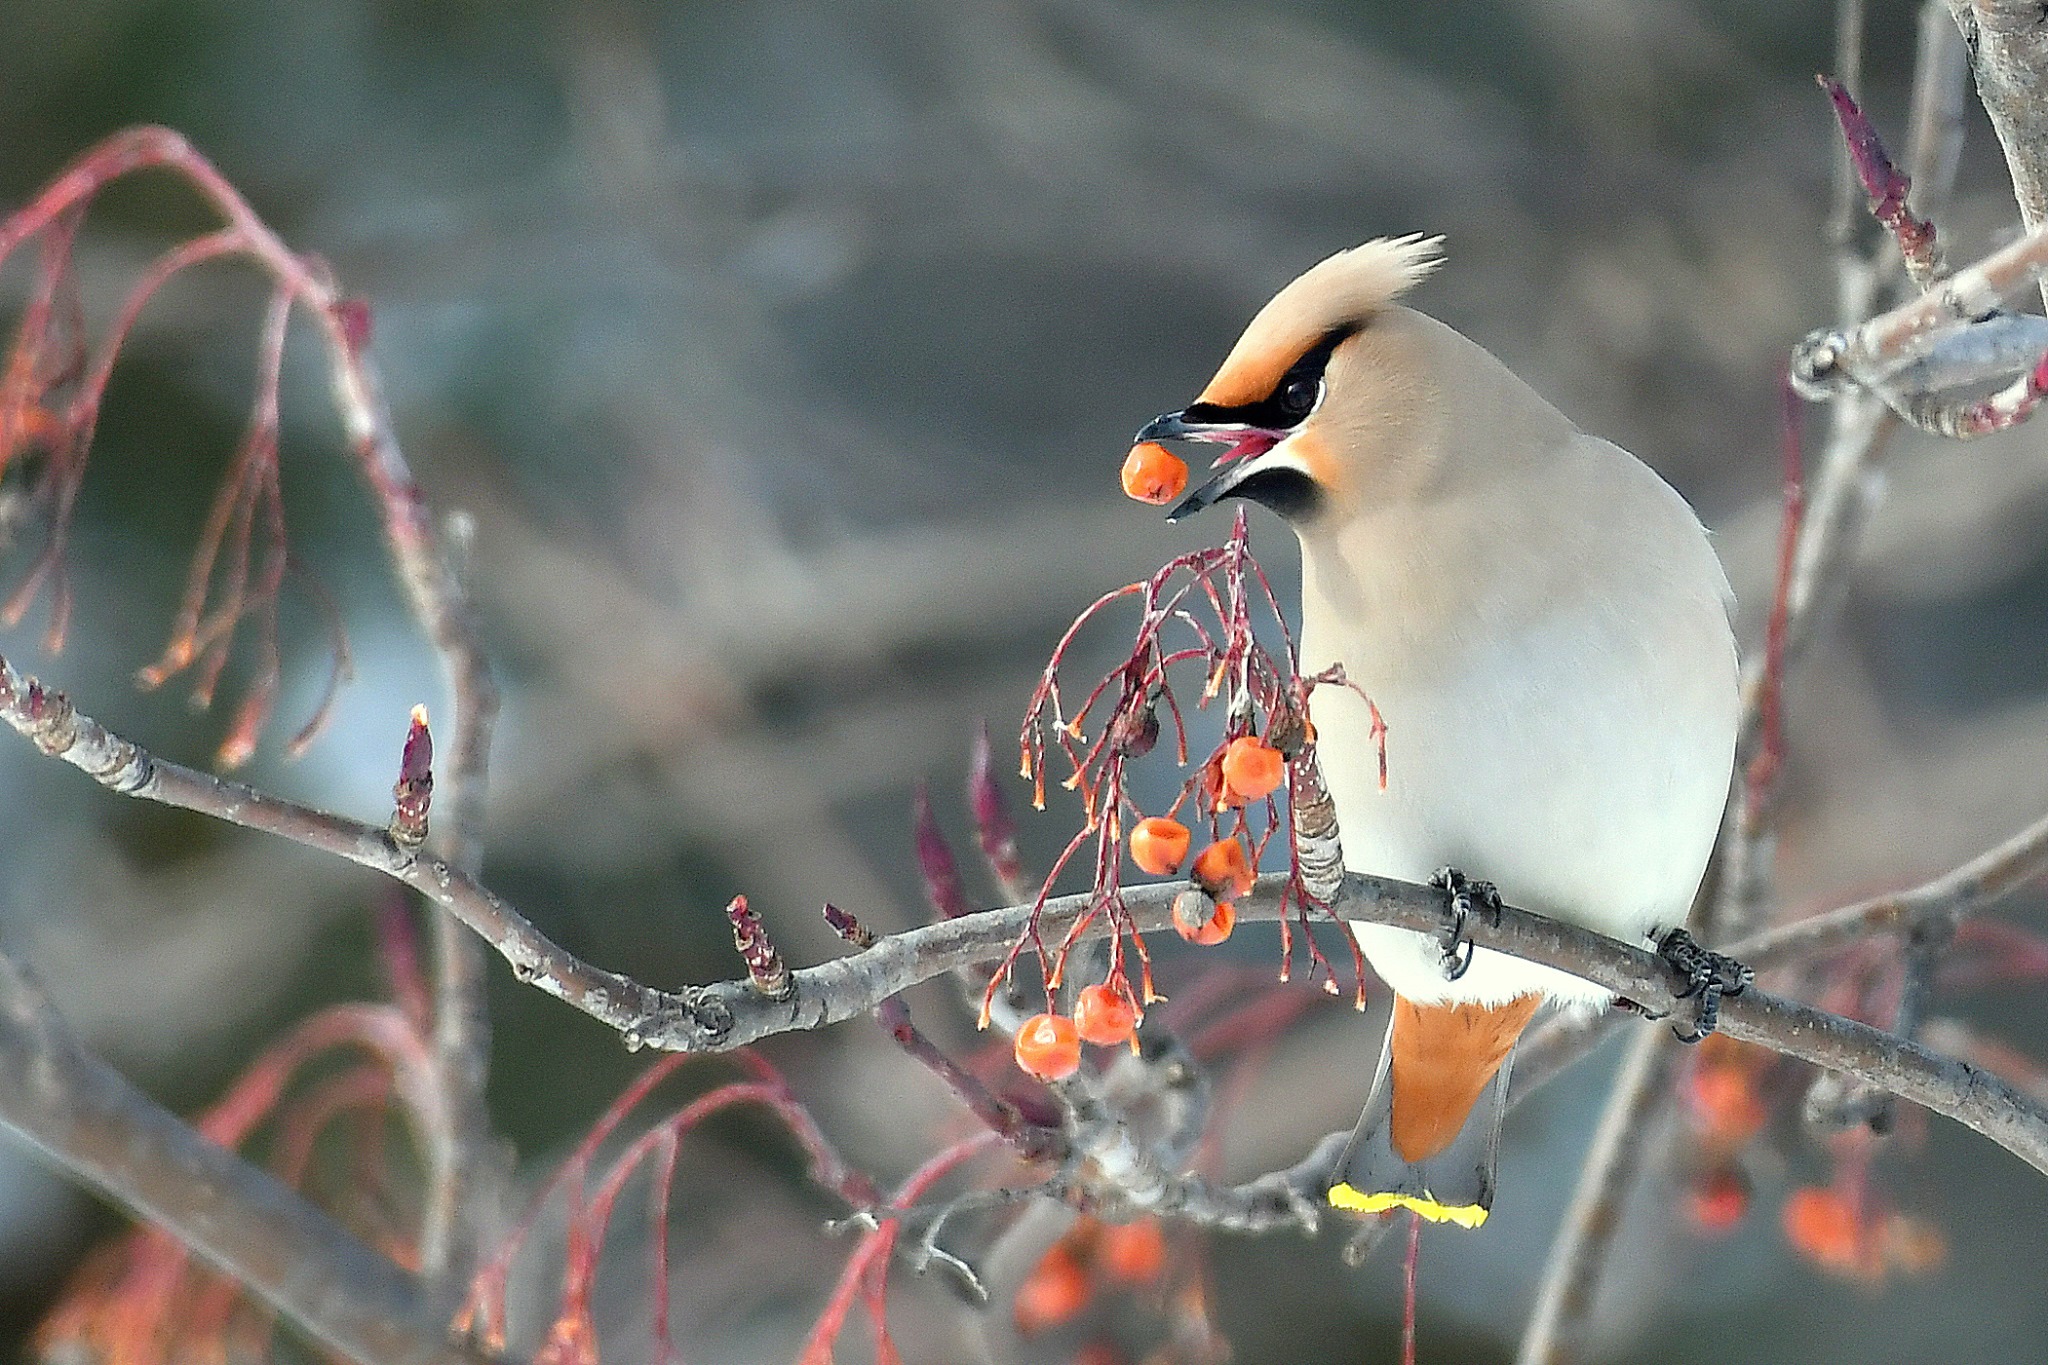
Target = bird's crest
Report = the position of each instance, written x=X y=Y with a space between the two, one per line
x=1340 y=292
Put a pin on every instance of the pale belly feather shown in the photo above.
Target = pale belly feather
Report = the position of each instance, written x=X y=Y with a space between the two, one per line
x=1579 y=762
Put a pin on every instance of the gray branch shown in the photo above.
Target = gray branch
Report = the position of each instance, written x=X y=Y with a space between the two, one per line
x=730 y=1014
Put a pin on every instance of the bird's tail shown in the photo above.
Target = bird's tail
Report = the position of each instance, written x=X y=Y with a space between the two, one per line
x=1430 y=1132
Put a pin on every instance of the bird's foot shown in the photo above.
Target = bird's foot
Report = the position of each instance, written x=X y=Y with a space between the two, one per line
x=1708 y=975
x=1465 y=896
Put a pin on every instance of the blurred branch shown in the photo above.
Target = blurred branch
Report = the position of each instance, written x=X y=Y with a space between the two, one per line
x=1578 y=1258
x=102 y=1130
x=1949 y=898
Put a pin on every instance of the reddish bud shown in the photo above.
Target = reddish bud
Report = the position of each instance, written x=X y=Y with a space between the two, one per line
x=942 y=885
x=413 y=794
x=992 y=823
x=766 y=971
x=847 y=927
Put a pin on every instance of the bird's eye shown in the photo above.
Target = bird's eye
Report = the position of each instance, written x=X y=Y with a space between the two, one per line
x=1299 y=397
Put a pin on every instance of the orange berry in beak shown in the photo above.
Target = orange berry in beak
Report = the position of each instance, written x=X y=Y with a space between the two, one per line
x=1152 y=473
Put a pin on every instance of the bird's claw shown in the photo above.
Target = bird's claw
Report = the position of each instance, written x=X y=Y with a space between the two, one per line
x=1709 y=975
x=1465 y=895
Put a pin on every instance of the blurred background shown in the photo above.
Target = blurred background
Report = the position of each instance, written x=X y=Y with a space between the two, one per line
x=784 y=353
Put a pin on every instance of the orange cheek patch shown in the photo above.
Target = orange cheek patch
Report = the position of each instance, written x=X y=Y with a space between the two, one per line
x=1313 y=450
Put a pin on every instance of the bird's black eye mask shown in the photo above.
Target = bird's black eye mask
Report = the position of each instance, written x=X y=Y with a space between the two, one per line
x=1292 y=399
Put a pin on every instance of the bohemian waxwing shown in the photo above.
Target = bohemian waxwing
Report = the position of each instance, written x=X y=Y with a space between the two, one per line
x=1544 y=627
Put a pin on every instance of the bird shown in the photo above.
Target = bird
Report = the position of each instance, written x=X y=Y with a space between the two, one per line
x=1544 y=625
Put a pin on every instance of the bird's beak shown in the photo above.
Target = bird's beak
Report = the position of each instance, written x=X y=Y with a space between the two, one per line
x=1247 y=444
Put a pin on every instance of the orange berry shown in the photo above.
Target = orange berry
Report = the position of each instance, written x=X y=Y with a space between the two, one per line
x=1195 y=920
x=1134 y=1253
x=1055 y=1290
x=1725 y=1104
x=1222 y=870
x=1048 y=1047
x=1103 y=1016
x=1252 y=768
x=1822 y=1226
x=1158 y=845
x=1152 y=473
x=1718 y=1202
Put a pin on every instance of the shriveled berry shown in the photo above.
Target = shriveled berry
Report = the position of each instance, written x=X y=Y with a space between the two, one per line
x=1134 y=1253
x=1252 y=768
x=1222 y=870
x=1152 y=473
x=1056 y=1289
x=1212 y=792
x=1048 y=1047
x=1158 y=845
x=1104 y=1016
x=1199 y=919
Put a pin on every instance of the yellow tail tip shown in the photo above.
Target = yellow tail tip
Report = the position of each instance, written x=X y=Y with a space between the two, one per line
x=1357 y=1201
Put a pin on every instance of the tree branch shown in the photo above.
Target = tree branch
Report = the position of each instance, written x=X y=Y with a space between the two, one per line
x=730 y=1014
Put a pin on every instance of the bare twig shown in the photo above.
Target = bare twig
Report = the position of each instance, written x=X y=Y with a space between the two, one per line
x=295 y=1258
x=1868 y=354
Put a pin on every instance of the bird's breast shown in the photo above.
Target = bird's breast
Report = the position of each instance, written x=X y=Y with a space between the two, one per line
x=1566 y=735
